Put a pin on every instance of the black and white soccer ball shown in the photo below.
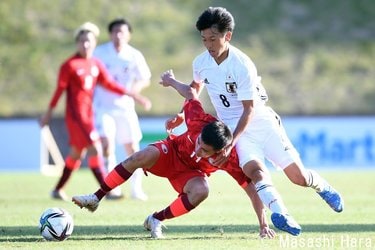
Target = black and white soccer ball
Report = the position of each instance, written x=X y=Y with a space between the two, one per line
x=56 y=224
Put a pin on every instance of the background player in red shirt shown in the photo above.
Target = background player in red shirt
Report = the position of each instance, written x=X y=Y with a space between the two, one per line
x=78 y=76
x=185 y=160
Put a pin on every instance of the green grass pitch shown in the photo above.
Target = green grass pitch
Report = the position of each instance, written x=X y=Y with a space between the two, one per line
x=225 y=220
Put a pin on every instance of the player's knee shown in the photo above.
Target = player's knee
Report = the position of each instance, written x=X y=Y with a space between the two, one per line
x=255 y=172
x=200 y=192
x=72 y=163
x=203 y=193
x=297 y=175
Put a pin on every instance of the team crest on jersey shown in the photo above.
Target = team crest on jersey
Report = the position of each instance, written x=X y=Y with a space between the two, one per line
x=231 y=87
x=206 y=81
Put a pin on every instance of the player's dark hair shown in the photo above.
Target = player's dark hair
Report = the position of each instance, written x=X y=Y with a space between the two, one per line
x=119 y=21
x=217 y=135
x=216 y=17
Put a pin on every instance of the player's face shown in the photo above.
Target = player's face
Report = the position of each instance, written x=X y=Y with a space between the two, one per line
x=216 y=43
x=203 y=150
x=120 y=34
x=86 y=44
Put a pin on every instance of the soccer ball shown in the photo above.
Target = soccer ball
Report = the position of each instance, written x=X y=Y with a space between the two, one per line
x=56 y=224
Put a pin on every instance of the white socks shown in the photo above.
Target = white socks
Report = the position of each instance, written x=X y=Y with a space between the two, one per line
x=270 y=197
x=315 y=181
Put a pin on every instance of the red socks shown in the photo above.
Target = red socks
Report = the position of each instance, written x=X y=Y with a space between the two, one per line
x=177 y=208
x=115 y=178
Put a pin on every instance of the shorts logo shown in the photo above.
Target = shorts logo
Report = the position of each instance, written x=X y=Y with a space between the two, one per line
x=231 y=87
x=164 y=149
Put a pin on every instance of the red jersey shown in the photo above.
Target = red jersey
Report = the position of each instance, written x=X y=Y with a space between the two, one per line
x=79 y=76
x=177 y=160
x=184 y=144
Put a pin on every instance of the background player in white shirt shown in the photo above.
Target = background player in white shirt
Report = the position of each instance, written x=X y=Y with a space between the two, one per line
x=239 y=99
x=115 y=116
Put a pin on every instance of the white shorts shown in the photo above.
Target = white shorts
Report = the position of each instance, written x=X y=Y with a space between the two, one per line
x=117 y=125
x=265 y=138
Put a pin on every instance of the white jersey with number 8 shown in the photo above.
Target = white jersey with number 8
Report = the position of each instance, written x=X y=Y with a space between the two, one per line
x=229 y=83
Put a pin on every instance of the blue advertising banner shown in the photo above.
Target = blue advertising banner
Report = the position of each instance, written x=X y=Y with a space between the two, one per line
x=344 y=142
x=323 y=142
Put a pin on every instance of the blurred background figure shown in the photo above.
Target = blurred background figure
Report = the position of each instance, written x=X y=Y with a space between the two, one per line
x=115 y=116
x=78 y=76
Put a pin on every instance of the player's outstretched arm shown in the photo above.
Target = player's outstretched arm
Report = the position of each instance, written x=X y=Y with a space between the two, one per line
x=168 y=79
x=264 y=230
x=142 y=100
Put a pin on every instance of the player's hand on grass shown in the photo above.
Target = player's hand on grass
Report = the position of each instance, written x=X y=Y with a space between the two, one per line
x=267 y=233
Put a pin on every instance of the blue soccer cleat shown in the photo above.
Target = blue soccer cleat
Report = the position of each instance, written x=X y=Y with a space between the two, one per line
x=286 y=223
x=333 y=198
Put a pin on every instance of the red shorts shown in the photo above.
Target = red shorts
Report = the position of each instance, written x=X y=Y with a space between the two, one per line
x=81 y=135
x=171 y=167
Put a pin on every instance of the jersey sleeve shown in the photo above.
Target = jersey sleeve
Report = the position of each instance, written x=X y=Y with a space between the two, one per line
x=143 y=72
x=232 y=167
x=196 y=76
x=239 y=176
x=62 y=84
x=195 y=117
x=247 y=81
x=107 y=81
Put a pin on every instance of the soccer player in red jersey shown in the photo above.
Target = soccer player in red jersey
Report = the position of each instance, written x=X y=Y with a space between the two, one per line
x=77 y=77
x=185 y=160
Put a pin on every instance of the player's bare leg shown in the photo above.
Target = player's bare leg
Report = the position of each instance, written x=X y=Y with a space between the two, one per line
x=195 y=191
x=145 y=158
x=309 y=178
x=72 y=162
x=137 y=192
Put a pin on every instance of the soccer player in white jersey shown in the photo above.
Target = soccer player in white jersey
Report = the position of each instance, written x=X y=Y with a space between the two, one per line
x=239 y=99
x=115 y=116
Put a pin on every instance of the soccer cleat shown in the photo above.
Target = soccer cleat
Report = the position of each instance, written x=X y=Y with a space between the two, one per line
x=90 y=201
x=155 y=226
x=286 y=223
x=59 y=195
x=333 y=198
